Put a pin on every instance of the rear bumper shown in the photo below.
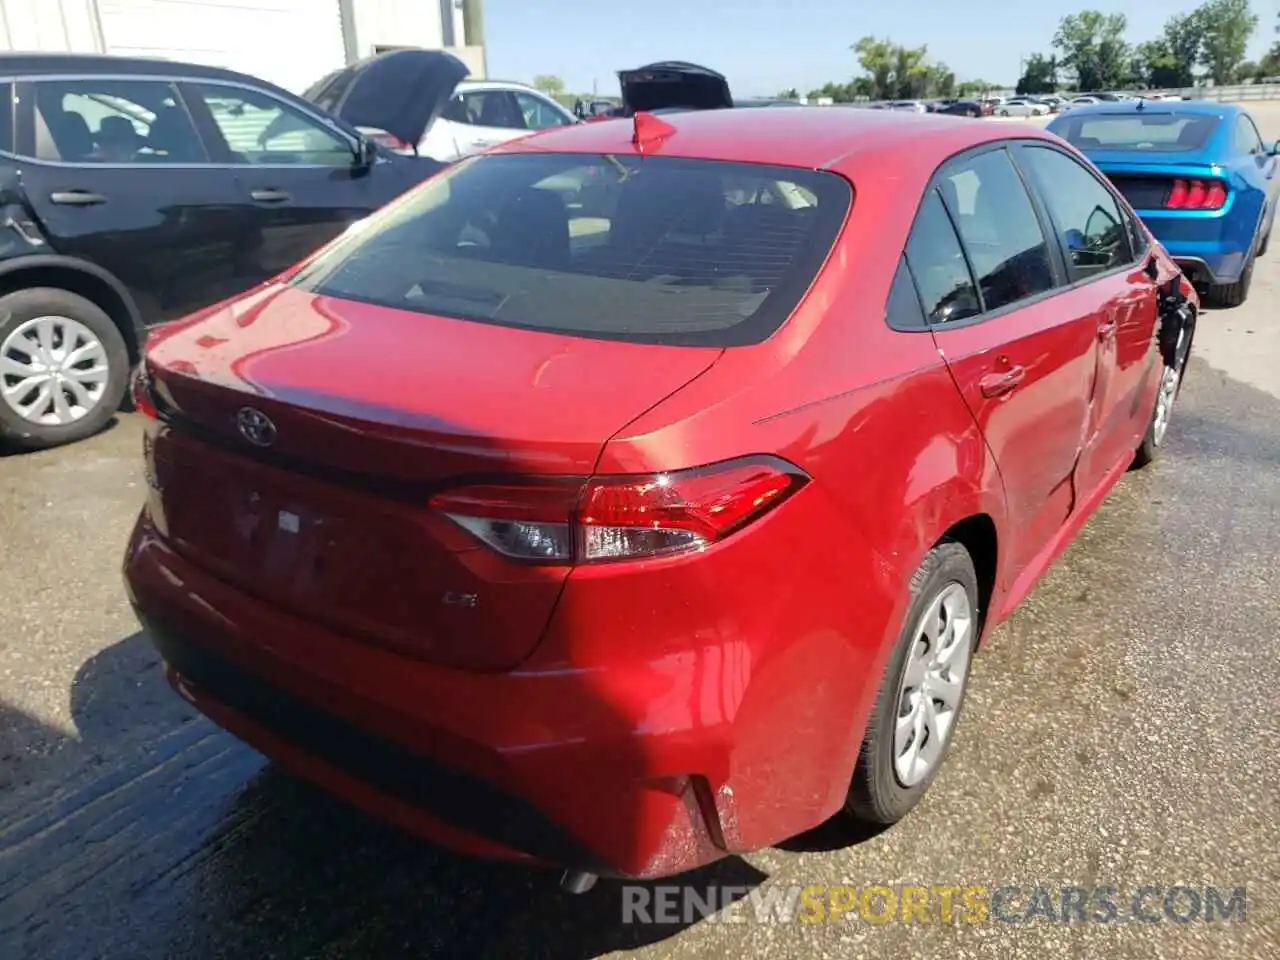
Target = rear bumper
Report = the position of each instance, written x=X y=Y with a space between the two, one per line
x=651 y=767
x=1209 y=249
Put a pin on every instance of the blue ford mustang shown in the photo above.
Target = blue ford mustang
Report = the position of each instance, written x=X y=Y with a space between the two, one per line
x=1197 y=173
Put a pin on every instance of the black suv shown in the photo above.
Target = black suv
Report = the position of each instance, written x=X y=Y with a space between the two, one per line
x=136 y=191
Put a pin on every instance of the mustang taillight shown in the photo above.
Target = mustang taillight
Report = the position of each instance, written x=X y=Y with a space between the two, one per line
x=1197 y=195
x=621 y=517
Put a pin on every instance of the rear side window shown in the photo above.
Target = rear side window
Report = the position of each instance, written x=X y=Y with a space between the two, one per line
x=646 y=249
x=118 y=122
x=999 y=228
x=1246 y=136
x=1147 y=132
x=938 y=265
x=1085 y=214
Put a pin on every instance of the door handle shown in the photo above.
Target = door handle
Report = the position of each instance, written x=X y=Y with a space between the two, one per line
x=269 y=196
x=483 y=143
x=998 y=384
x=77 y=198
x=1107 y=329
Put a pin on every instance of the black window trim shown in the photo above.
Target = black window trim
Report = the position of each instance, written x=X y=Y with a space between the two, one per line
x=24 y=108
x=1126 y=213
x=1053 y=243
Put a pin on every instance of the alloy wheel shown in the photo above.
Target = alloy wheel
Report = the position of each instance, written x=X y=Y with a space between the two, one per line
x=53 y=371
x=932 y=684
x=1167 y=393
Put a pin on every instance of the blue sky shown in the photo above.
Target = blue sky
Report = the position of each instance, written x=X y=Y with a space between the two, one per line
x=764 y=46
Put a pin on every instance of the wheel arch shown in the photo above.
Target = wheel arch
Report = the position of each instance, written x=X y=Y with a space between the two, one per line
x=978 y=535
x=84 y=279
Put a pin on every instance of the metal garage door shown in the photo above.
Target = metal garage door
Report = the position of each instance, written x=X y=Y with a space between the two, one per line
x=289 y=42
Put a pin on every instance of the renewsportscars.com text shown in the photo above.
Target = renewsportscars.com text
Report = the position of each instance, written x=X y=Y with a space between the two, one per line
x=940 y=903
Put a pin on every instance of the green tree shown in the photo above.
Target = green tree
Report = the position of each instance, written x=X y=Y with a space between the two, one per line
x=549 y=84
x=1269 y=65
x=1093 y=48
x=1040 y=75
x=1228 y=25
x=791 y=93
x=973 y=88
x=878 y=58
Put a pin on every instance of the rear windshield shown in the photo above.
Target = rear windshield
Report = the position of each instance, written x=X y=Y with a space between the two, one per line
x=657 y=249
x=1154 y=132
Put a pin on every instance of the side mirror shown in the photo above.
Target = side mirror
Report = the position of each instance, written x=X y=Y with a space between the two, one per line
x=366 y=154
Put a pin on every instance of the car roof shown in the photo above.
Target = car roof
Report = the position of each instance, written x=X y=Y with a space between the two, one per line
x=499 y=85
x=1196 y=107
x=781 y=135
x=90 y=63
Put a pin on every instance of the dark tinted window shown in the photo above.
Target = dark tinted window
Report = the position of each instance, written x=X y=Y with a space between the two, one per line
x=999 y=228
x=902 y=311
x=1084 y=212
x=1149 y=132
x=6 y=116
x=651 y=249
x=103 y=120
x=938 y=265
x=486 y=108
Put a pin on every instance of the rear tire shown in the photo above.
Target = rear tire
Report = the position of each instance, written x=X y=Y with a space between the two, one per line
x=64 y=368
x=1228 y=295
x=882 y=790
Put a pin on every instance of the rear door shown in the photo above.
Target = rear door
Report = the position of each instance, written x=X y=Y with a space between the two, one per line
x=991 y=280
x=1110 y=288
x=296 y=172
x=115 y=173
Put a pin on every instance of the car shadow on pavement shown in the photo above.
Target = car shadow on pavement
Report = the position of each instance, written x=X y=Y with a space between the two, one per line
x=153 y=833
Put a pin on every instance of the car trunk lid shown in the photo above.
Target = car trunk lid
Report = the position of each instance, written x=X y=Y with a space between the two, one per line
x=400 y=92
x=673 y=85
x=304 y=436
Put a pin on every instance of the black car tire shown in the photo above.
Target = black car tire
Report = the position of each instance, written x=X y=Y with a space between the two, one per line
x=875 y=794
x=1153 y=440
x=1227 y=295
x=23 y=305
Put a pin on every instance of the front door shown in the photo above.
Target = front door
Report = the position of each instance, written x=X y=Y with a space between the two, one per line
x=991 y=282
x=295 y=172
x=118 y=176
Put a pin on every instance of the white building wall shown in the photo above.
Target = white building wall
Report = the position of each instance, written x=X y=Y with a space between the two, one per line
x=63 y=26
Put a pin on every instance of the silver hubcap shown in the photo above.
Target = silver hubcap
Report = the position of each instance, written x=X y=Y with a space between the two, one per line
x=932 y=684
x=53 y=371
x=1167 y=393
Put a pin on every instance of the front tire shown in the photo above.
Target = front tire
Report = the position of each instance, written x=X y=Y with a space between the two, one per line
x=1166 y=394
x=922 y=690
x=64 y=368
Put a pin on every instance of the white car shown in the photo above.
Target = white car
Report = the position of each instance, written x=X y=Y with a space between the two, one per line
x=481 y=114
x=1022 y=107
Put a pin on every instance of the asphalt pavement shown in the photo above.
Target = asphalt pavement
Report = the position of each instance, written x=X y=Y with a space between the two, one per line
x=1122 y=730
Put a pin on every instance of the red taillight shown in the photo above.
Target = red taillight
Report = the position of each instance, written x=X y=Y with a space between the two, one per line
x=621 y=518
x=140 y=391
x=1197 y=195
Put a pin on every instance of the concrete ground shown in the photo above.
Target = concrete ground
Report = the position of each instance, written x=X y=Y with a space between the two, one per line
x=1122 y=730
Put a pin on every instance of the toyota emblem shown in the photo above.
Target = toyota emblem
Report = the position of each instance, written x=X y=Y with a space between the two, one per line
x=256 y=427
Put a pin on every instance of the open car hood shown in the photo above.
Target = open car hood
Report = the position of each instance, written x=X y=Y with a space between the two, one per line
x=401 y=91
x=673 y=85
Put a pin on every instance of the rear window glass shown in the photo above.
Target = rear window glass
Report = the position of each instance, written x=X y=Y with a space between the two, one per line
x=1156 y=132
x=647 y=249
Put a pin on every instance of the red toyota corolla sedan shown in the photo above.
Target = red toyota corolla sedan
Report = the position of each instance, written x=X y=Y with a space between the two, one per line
x=638 y=493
